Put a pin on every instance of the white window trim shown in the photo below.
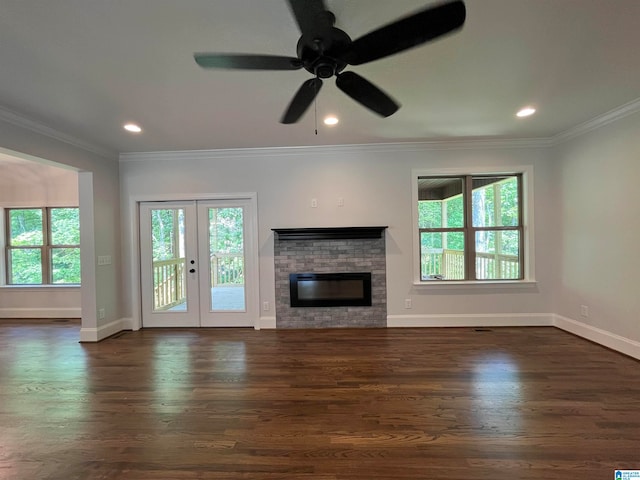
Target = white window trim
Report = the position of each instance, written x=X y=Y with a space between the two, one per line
x=527 y=223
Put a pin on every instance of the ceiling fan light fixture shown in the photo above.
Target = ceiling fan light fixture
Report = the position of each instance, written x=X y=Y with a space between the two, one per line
x=331 y=120
x=525 y=112
x=132 y=127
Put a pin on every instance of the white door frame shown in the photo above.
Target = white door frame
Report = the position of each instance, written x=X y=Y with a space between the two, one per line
x=252 y=247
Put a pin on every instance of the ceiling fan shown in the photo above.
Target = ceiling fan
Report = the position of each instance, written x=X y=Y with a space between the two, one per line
x=325 y=51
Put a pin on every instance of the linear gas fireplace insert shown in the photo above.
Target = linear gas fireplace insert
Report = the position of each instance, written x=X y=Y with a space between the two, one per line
x=330 y=289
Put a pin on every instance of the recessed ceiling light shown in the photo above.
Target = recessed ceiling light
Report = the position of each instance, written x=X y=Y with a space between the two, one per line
x=330 y=120
x=132 y=127
x=526 y=111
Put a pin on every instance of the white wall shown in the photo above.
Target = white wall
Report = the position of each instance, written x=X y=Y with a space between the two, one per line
x=102 y=287
x=375 y=182
x=598 y=177
x=31 y=184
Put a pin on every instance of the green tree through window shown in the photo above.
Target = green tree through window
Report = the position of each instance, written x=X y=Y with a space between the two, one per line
x=43 y=246
x=470 y=227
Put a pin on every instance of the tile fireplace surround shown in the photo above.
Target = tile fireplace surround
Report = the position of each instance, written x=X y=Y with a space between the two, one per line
x=330 y=250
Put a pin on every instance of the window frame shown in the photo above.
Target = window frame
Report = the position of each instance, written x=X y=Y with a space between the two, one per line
x=527 y=253
x=46 y=247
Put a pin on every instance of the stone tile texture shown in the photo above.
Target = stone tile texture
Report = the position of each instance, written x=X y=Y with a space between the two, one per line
x=330 y=256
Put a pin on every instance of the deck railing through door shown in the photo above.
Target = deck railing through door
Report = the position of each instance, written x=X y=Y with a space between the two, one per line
x=169 y=283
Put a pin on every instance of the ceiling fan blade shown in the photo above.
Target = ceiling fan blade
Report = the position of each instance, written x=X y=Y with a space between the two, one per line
x=301 y=101
x=246 y=62
x=312 y=16
x=366 y=93
x=406 y=33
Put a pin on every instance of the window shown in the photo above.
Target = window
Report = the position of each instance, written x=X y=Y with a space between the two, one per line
x=42 y=246
x=470 y=227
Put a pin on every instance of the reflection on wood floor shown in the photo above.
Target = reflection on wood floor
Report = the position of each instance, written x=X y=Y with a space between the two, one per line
x=505 y=403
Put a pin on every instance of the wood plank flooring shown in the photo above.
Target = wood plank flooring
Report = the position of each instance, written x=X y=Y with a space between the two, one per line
x=342 y=404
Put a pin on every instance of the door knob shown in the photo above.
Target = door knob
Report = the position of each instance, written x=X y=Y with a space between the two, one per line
x=193 y=270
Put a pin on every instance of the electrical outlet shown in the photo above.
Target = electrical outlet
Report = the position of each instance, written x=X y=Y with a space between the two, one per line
x=314 y=203
x=341 y=201
x=407 y=303
x=101 y=314
x=265 y=306
x=584 y=311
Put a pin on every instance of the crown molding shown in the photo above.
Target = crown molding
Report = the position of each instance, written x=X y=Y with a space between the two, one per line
x=18 y=120
x=600 y=121
x=458 y=144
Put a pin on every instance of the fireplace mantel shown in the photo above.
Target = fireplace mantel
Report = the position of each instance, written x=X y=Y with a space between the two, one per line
x=329 y=233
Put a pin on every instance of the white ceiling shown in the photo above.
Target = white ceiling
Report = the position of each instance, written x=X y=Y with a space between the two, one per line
x=85 y=67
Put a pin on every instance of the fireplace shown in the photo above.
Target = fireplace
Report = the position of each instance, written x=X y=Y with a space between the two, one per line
x=313 y=297
x=349 y=289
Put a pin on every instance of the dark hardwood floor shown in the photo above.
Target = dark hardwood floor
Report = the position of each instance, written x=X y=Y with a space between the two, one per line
x=507 y=403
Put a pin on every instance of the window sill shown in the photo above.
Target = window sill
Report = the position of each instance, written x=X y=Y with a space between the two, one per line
x=458 y=285
x=40 y=287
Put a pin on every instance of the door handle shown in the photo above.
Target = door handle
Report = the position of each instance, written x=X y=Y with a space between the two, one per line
x=193 y=270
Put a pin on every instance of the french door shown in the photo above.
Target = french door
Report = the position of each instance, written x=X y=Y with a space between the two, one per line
x=198 y=263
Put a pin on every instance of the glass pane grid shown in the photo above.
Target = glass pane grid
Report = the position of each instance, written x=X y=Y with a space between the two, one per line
x=487 y=208
x=25 y=265
x=169 y=267
x=495 y=201
x=226 y=259
x=65 y=227
x=440 y=202
x=442 y=256
x=498 y=255
x=65 y=265
x=25 y=227
x=43 y=246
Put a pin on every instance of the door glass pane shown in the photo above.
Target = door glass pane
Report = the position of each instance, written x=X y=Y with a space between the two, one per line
x=26 y=266
x=169 y=266
x=442 y=255
x=226 y=258
x=498 y=255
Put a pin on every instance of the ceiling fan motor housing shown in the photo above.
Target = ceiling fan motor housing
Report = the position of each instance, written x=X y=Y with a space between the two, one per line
x=316 y=52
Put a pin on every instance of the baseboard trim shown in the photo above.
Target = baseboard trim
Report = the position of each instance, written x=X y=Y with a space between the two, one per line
x=104 y=331
x=266 y=322
x=40 y=312
x=597 y=335
x=472 y=320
